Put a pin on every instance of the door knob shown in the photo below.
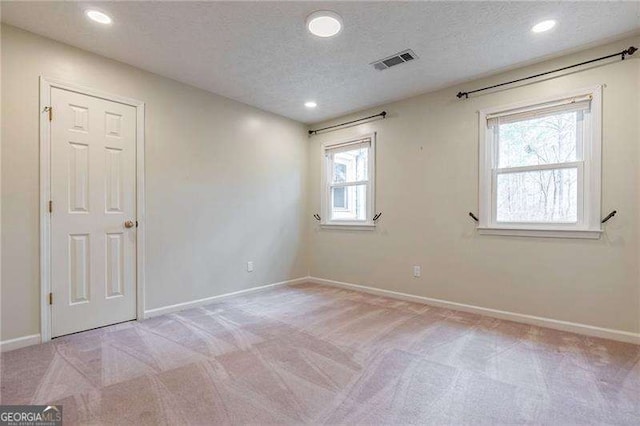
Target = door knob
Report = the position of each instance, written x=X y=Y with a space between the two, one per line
x=129 y=224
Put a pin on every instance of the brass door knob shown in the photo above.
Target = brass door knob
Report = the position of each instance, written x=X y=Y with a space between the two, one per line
x=129 y=224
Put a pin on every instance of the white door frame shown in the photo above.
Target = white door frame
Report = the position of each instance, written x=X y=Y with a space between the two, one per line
x=45 y=195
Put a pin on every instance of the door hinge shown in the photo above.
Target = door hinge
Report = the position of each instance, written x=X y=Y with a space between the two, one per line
x=51 y=298
x=50 y=206
x=50 y=111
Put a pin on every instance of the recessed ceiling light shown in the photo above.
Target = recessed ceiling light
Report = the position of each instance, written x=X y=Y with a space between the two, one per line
x=324 y=23
x=97 y=16
x=543 y=26
x=310 y=104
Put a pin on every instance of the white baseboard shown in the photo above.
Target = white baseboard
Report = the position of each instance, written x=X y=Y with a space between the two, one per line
x=200 y=302
x=20 y=342
x=588 y=330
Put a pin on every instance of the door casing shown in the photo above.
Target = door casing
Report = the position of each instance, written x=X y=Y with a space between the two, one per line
x=45 y=195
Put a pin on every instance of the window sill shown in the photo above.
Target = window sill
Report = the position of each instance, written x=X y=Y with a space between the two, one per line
x=542 y=233
x=349 y=226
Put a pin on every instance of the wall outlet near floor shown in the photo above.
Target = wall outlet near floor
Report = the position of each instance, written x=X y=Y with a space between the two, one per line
x=417 y=270
x=250 y=266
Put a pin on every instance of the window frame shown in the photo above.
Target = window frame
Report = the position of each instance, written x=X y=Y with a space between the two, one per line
x=589 y=170
x=326 y=186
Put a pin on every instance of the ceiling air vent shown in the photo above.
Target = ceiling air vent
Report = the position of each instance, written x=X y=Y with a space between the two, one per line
x=397 y=59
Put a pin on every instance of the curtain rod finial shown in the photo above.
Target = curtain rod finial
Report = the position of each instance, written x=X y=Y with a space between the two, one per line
x=630 y=51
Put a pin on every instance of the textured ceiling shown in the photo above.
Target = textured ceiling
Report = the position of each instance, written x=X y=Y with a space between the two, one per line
x=260 y=52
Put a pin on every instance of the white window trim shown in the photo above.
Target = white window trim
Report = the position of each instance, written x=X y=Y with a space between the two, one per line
x=325 y=197
x=589 y=226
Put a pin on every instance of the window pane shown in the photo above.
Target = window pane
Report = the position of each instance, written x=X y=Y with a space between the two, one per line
x=350 y=166
x=540 y=140
x=339 y=172
x=545 y=196
x=355 y=203
x=340 y=198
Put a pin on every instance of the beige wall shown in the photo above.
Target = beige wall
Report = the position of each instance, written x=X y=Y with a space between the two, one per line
x=427 y=181
x=225 y=182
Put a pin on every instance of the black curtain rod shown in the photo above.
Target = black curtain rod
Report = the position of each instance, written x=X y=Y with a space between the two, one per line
x=383 y=114
x=630 y=51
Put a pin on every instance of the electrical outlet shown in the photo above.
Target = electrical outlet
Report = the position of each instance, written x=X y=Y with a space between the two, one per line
x=250 y=266
x=417 y=270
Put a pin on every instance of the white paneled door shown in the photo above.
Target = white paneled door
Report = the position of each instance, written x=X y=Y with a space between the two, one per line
x=93 y=219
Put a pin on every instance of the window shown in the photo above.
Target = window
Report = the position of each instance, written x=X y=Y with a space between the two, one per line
x=540 y=167
x=348 y=183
